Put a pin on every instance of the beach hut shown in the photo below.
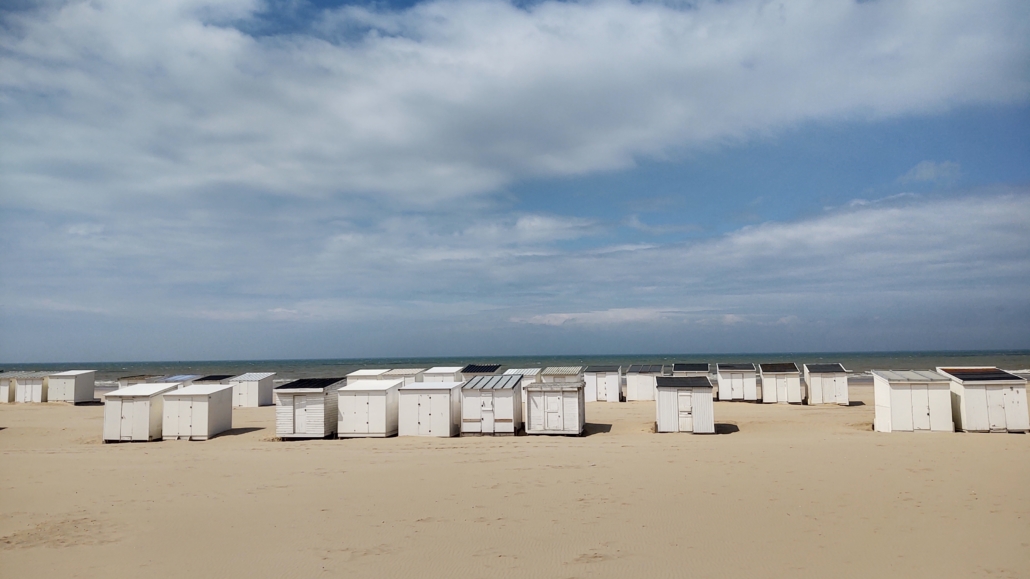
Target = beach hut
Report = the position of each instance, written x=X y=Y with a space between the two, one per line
x=911 y=400
x=430 y=409
x=682 y=370
x=737 y=382
x=368 y=408
x=135 y=413
x=307 y=408
x=8 y=386
x=640 y=381
x=602 y=383
x=491 y=405
x=252 y=389
x=684 y=404
x=986 y=399
x=529 y=376
x=781 y=383
x=473 y=370
x=555 y=408
x=443 y=374
x=197 y=412
x=827 y=384
x=31 y=387
x=72 y=386
x=367 y=374
x=409 y=375
x=562 y=374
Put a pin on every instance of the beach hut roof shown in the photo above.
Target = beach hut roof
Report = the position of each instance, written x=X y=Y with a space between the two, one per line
x=74 y=373
x=309 y=384
x=443 y=370
x=750 y=367
x=368 y=372
x=683 y=382
x=522 y=371
x=404 y=371
x=180 y=378
x=431 y=386
x=369 y=385
x=215 y=377
x=921 y=376
x=503 y=382
x=200 y=389
x=562 y=371
x=145 y=389
x=825 y=368
x=26 y=374
x=253 y=376
x=645 y=369
x=779 y=368
x=480 y=368
x=599 y=369
x=689 y=367
x=988 y=374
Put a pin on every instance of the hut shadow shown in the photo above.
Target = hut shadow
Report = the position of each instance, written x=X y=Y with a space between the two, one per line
x=856 y=403
x=239 y=431
x=726 y=428
x=94 y=402
x=592 y=429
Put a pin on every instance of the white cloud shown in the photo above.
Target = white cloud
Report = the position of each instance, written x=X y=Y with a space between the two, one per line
x=115 y=98
x=930 y=172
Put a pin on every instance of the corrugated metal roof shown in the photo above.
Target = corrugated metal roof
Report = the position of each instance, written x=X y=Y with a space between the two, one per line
x=779 y=368
x=825 y=368
x=922 y=376
x=745 y=367
x=11 y=374
x=683 y=382
x=480 y=368
x=605 y=369
x=431 y=386
x=522 y=371
x=502 y=382
x=986 y=374
x=372 y=385
x=404 y=371
x=252 y=376
x=553 y=385
x=645 y=369
x=179 y=378
x=562 y=371
x=689 y=367
x=200 y=389
x=368 y=372
x=215 y=378
x=314 y=383
x=25 y=374
x=144 y=389
x=443 y=370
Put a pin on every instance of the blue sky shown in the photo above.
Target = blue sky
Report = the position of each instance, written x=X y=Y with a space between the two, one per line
x=248 y=179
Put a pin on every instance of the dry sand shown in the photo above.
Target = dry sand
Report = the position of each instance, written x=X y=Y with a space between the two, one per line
x=797 y=491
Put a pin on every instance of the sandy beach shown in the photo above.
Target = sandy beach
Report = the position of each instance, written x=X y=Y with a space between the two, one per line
x=784 y=491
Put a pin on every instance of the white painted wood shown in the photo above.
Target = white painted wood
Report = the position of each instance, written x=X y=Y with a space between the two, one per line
x=1016 y=417
x=987 y=399
x=590 y=386
x=996 y=409
x=430 y=408
x=686 y=410
x=135 y=413
x=556 y=408
x=73 y=386
x=369 y=408
x=197 y=412
x=253 y=390
x=920 y=407
x=684 y=404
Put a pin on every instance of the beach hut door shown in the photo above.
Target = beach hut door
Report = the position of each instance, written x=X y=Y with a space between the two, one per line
x=781 y=388
x=425 y=414
x=487 y=399
x=996 y=408
x=1016 y=417
x=736 y=386
x=300 y=415
x=553 y=417
x=686 y=415
x=128 y=404
x=920 y=407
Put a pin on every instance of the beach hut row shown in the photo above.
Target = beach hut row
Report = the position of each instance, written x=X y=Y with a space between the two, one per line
x=73 y=386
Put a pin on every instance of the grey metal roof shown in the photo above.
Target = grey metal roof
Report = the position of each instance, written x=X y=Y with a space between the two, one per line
x=599 y=369
x=496 y=382
x=825 y=368
x=562 y=371
x=683 y=382
x=215 y=378
x=745 y=367
x=987 y=374
x=779 y=368
x=404 y=371
x=689 y=367
x=315 y=383
x=645 y=369
x=179 y=378
x=17 y=374
x=32 y=374
x=252 y=376
x=921 y=376
x=522 y=371
x=481 y=369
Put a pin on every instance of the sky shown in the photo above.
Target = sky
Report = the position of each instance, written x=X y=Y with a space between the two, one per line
x=251 y=179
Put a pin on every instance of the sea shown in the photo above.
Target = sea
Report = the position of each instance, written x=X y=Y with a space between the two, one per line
x=857 y=362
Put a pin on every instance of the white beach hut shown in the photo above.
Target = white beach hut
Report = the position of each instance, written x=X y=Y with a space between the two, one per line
x=602 y=383
x=442 y=374
x=8 y=386
x=986 y=399
x=827 y=384
x=252 y=389
x=135 y=413
x=430 y=409
x=72 y=386
x=472 y=370
x=491 y=405
x=555 y=408
x=737 y=382
x=307 y=408
x=781 y=383
x=368 y=408
x=32 y=387
x=683 y=370
x=911 y=400
x=366 y=374
x=409 y=375
x=529 y=376
x=684 y=404
x=197 y=412
x=640 y=381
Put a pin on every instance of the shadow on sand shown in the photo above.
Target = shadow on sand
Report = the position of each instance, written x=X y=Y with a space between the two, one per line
x=592 y=429
x=726 y=428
